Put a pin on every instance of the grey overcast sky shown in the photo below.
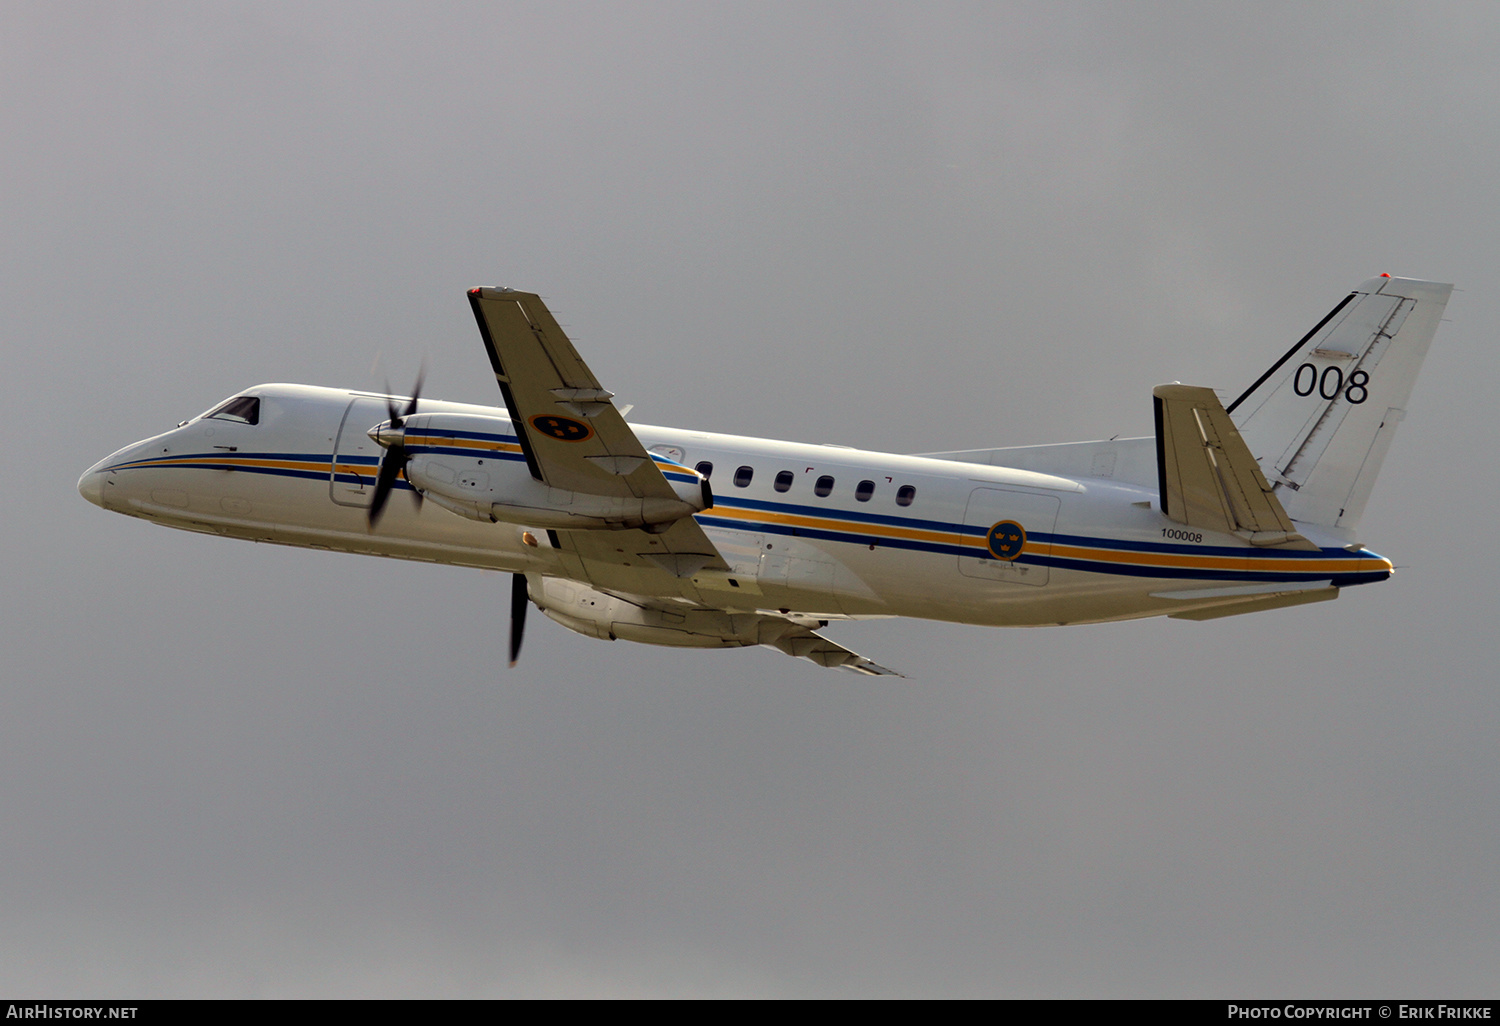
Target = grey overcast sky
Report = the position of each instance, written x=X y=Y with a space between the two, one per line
x=241 y=770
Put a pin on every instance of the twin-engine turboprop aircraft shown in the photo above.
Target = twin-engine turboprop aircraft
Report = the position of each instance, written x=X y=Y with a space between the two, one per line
x=691 y=538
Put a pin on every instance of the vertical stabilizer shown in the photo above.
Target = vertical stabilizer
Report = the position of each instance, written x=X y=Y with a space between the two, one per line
x=1320 y=421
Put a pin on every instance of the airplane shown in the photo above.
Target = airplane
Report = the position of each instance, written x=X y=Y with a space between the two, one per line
x=697 y=539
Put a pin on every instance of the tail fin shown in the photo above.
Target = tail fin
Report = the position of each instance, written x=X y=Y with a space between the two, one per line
x=1320 y=421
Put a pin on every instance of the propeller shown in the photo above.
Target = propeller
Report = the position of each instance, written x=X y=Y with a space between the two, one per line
x=519 y=600
x=391 y=436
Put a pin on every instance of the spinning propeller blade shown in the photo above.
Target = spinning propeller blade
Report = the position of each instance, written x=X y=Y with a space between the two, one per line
x=519 y=600
x=391 y=436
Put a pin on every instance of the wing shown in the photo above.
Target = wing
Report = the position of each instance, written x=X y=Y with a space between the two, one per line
x=807 y=644
x=574 y=439
x=570 y=432
x=662 y=620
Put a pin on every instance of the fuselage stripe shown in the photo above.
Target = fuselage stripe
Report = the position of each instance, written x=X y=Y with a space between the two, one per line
x=1063 y=551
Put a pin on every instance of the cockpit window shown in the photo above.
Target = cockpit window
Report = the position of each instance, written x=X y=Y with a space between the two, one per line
x=242 y=409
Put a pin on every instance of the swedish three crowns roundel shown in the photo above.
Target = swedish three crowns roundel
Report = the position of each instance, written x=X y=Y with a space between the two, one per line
x=1006 y=540
x=562 y=428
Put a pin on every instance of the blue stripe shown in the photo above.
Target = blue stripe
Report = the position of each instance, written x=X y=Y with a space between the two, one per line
x=174 y=459
x=1089 y=566
x=484 y=454
x=236 y=462
x=1178 y=548
x=477 y=436
x=881 y=519
x=854 y=515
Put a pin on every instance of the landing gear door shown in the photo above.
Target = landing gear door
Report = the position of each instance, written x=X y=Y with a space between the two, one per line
x=356 y=457
x=1010 y=534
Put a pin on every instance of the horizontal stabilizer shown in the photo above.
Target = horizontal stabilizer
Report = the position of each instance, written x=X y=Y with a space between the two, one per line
x=1206 y=475
x=1258 y=605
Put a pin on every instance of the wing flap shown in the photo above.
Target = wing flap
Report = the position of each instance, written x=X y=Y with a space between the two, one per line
x=643 y=562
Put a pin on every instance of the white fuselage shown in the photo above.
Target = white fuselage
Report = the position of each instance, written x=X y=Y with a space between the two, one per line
x=1089 y=548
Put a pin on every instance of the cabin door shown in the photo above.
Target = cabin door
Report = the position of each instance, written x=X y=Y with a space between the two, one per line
x=1017 y=535
x=356 y=457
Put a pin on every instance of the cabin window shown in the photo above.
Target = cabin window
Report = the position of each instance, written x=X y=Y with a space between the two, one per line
x=905 y=494
x=783 y=480
x=864 y=490
x=823 y=486
x=242 y=409
x=705 y=468
x=742 y=476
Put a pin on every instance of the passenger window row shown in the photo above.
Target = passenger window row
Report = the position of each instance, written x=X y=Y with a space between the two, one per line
x=822 y=487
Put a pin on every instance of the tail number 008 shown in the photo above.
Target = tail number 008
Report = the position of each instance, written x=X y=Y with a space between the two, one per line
x=1331 y=382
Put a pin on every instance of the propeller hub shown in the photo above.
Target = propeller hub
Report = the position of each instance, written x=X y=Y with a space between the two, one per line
x=388 y=434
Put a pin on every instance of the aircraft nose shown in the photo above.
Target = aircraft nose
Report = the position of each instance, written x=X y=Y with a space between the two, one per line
x=91 y=486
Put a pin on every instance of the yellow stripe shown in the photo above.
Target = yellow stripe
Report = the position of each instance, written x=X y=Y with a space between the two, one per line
x=792 y=520
x=1180 y=561
x=229 y=463
x=462 y=443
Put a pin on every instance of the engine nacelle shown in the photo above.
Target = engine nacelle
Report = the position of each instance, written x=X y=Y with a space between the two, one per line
x=473 y=466
x=597 y=615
